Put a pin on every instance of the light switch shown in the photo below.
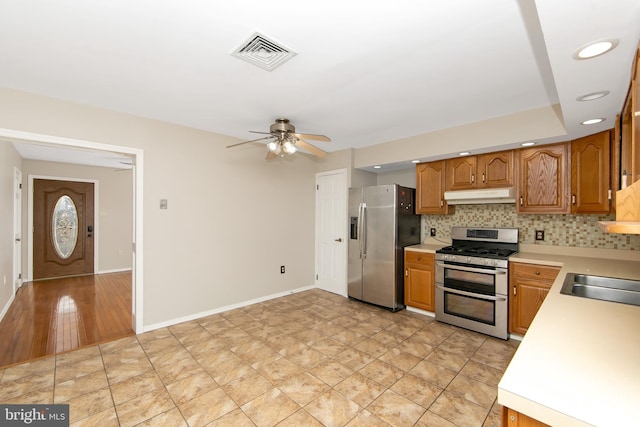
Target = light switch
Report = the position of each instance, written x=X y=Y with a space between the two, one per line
x=163 y=203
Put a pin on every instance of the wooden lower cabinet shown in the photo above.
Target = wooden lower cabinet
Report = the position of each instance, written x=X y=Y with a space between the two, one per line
x=511 y=418
x=419 y=280
x=529 y=285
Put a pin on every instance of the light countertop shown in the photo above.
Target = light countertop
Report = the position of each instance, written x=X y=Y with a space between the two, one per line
x=424 y=247
x=579 y=362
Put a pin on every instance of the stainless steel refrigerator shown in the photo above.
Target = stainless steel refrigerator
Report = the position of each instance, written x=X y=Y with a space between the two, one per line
x=382 y=221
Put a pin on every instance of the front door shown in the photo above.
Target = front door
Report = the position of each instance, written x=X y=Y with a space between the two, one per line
x=63 y=228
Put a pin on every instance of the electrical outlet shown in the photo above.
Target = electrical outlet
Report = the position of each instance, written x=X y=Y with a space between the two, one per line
x=539 y=234
x=282 y=269
x=432 y=232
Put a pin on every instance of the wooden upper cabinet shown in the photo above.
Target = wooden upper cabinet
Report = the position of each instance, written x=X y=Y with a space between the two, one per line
x=630 y=128
x=430 y=179
x=590 y=173
x=461 y=173
x=489 y=170
x=544 y=179
x=495 y=169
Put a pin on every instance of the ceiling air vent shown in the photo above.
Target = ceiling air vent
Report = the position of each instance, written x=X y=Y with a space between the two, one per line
x=263 y=52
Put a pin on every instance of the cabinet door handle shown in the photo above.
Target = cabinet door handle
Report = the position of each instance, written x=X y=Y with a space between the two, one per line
x=521 y=201
x=441 y=203
x=473 y=178
x=537 y=273
x=514 y=291
x=483 y=178
x=573 y=199
x=406 y=272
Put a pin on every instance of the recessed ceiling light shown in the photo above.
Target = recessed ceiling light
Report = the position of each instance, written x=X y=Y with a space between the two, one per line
x=415 y=161
x=464 y=153
x=528 y=144
x=592 y=121
x=592 y=96
x=596 y=48
x=377 y=167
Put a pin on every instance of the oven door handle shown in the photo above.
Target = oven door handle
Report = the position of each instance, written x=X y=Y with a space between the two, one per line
x=471 y=294
x=471 y=269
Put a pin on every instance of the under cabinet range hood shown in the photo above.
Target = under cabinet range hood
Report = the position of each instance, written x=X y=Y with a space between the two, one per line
x=481 y=196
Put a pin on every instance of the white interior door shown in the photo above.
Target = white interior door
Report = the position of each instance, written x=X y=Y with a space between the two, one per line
x=331 y=231
x=17 y=230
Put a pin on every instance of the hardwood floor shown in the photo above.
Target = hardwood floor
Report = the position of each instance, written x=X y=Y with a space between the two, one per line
x=53 y=316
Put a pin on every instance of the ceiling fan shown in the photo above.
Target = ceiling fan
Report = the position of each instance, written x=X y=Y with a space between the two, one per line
x=285 y=140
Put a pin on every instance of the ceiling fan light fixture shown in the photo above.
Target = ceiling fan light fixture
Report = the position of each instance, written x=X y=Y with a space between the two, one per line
x=289 y=147
x=274 y=147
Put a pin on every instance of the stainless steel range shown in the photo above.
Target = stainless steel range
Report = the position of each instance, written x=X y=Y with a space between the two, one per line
x=472 y=279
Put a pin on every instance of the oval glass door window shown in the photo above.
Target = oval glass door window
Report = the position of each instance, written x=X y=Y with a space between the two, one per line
x=64 y=226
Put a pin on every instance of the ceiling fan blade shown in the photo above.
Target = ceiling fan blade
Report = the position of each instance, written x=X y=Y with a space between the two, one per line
x=246 y=142
x=312 y=136
x=271 y=155
x=310 y=148
x=264 y=133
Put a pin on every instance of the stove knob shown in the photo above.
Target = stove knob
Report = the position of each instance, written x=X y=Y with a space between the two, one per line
x=468 y=260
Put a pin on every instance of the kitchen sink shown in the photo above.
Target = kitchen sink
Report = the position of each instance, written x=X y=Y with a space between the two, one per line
x=602 y=288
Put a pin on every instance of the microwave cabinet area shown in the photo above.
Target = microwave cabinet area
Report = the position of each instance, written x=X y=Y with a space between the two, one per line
x=491 y=170
x=419 y=280
x=543 y=179
x=430 y=181
x=529 y=285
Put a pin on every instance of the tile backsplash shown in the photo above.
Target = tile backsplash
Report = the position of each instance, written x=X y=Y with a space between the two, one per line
x=559 y=230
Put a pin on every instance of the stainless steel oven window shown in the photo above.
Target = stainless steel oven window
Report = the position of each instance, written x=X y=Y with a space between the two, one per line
x=483 y=283
x=476 y=309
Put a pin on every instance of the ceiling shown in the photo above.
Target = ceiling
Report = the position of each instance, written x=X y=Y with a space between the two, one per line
x=365 y=72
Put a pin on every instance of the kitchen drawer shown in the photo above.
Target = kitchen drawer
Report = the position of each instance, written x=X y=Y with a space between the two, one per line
x=534 y=271
x=419 y=257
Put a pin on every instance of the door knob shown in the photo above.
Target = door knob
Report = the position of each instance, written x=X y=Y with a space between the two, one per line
x=339 y=239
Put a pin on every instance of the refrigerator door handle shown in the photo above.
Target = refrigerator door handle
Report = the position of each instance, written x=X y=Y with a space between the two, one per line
x=362 y=236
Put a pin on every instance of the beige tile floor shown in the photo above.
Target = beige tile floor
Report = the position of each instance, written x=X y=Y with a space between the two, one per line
x=307 y=359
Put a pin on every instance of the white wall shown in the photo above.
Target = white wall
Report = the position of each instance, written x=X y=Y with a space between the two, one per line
x=9 y=158
x=233 y=218
x=114 y=219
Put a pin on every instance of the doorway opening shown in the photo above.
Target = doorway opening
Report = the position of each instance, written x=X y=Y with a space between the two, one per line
x=137 y=156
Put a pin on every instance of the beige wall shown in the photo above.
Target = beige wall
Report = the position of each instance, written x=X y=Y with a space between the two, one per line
x=233 y=218
x=114 y=216
x=9 y=159
x=543 y=125
x=406 y=178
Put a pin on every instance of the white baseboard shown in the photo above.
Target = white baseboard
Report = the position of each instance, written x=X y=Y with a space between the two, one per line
x=148 y=328
x=420 y=311
x=6 y=306
x=117 y=270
